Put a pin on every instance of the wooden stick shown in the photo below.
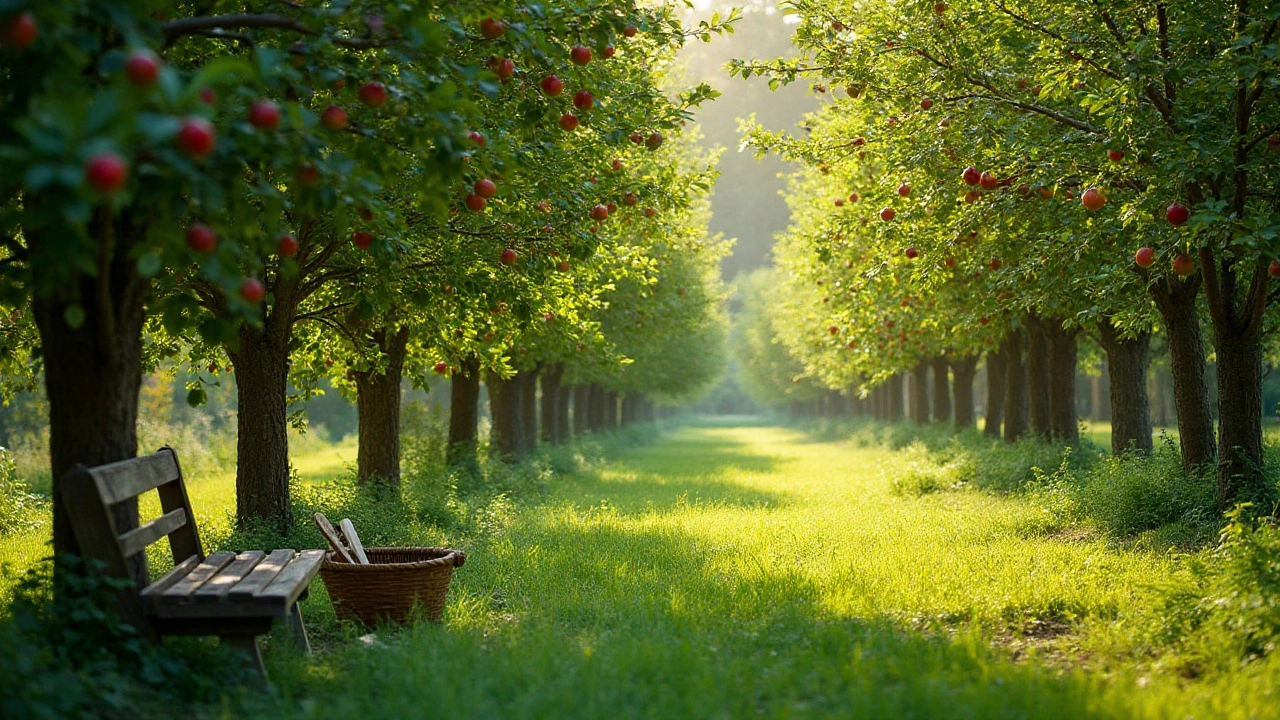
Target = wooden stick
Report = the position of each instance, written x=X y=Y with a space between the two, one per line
x=349 y=532
x=330 y=534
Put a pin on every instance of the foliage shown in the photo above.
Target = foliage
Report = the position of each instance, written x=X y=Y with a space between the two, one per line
x=19 y=509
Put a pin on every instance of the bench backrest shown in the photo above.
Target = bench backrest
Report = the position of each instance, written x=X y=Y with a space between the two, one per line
x=91 y=496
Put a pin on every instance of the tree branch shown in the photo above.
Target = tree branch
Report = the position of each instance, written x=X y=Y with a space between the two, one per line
x=200 y=25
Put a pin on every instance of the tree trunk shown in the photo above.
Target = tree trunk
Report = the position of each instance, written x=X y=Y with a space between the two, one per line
x=92 y=375
x=551 y=375
x=529 y=409
x=464 y=414
x=963 y=369
x=505 y=417
x=941 y=390
x=1240 y=475
x=920 y=393
x=1127 y=361
x=1015 y=394
x=997 y=384
x=562 y=415
x=1176 y=301
x=581 y=410
x=611 y=410
x=378 y=407
x=1064 y=421
x=1037 y=349
x=896 y=401
x=261 y=361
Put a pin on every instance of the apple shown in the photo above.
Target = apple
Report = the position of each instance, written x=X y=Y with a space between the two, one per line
x=887 y=214
x=563 y=266
x=476 y=137
x=552 y=85
x=854 y=197
x=949 y=262
x=629 y=31
x=1093 y=199
x=373 y=94
x=492 y=29
x=441 y=367
x=365 y=213
x=599 y=213
x=912 y=253
x=504 y=67
x=200 y=238
x=994 y=264
x=988 y=181
x=608 y=51
x=334 y=118
x=20 y=31
x=252 y=290
x=939 y=8
x=264 y=115
x=1115 y=155
x=1023 y=83
x=637 y=138
x=580 y=55
x=1177 y=214
x=142 y=68
x=833 y=329
x=972 y=196
x=1144 y=257
x=629 y=199
x=1036 y=91
x=654 y=141
x=1274 y=269
x=308 y=174
x=925 y=104
x=195 y=137
x=859 y=141
x=287 y=246
x=984 y=321
x=583 y=100
x=106 y=172
x=544 y=206
x=1273 y=142
x=362 y=239
x=338 y=84
x=839 y=202
x=485 y=188
x=508 y=257
x=1183 y=265
x=650 y=212
x=971 y=176
x=568 y=122
x=888 y=323
x=208 y=96
x=904 y=190
x=475 y=203
x=612 y=207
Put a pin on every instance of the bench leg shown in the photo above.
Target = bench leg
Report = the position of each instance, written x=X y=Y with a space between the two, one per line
x=247 y=644
x=297 y=631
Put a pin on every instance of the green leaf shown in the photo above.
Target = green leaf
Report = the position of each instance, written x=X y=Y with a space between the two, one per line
x=196 y=396
x=149 y=264
x=73 y=316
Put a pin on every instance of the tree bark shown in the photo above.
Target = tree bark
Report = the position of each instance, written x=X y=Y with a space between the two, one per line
x=261 y=362
x=581 y=410
x=941 y=390
x=1037 y=350
x=920 y=393
x=896 y=401
x=997 y=384
x=551 y=375
x=963 y=370
x=1127 y=362
x=610 y=410
x=1015 y=394
x=1064 y=420
x=505 y=417
x=464 y=414
x=562 y=415
x=1176 y=302
x=1240 y=475
x=378 y=408
x=529 y=409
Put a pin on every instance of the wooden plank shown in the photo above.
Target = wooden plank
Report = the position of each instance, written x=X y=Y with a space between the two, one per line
x=137 y=540
x=126 y=479
x=293 y=580
x=173 y=495
x=349 y=532
x=262 y=575
x=217 y=588
x=331 y=535
x=178 y=572
x=182 y=589
x=273 y=607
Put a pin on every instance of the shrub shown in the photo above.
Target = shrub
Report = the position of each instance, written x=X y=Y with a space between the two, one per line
x=1132 y=493
x=19 y=509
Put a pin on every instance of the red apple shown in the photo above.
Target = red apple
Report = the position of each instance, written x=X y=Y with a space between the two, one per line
x=582 y=100
x=629 y=199
x=252 y=290
x=1144 y=257
x=1177 y=214
x=441 y=367
x=988 y=181
x=1115 y=155
x=508 y=257
x=503 y=67
x=264 y=115
x=485 y=188
x=972 y=196
x=612 y=207
x=552 y=85
x=599 y=213
x=854 y=197
x=939 y=8
x=912 y=253
x=208 y=96
x=544 y=206
x=859 y=141
x=904 y=190
x=568 y=122
x=650 y=212
x=563 y=266
x=654 y=141
x=1274 y=269
x=475 y=137
x=287 y=246
x=373 y=94
x=984 y=321
x=365 y=213
x=1093 y=199
x=839 y=202
x=636 y=138
x=20 y=31
x=949 y=262
x=833 y=329
x=195 y=137
x=142 y=68
x=475 y=203
x=629 y=31
x=1273 y=141
x=971 y=176
x=1183 y=265
x=362 y=239
x=334 y=118
x=580 y=55
x=492 y=29
x=308 y=174
x=201 y=239
x=608 y=51
x=616 y=164
x=994 y=264
x=887 y=214
x=925 y=104
x=106 y=172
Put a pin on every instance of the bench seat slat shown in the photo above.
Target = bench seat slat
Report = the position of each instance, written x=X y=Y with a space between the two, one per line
x=120 y=481
x=178 y=572
x=137 y=539
x=182 y=589
x=261 y=577
x=216 y=589
x=294 y=579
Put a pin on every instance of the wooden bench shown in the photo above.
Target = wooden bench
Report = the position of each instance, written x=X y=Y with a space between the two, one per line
x=236 y=596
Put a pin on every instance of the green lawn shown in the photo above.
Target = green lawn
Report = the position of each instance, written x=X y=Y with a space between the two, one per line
x=755 y=571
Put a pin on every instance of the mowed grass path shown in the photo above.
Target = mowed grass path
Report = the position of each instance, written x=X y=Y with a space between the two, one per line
x=729 y=572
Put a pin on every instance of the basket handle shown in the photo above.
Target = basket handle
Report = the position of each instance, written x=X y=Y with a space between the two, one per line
x=458 y=557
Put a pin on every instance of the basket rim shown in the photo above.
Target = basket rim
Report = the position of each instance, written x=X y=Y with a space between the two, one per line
x=450 y=557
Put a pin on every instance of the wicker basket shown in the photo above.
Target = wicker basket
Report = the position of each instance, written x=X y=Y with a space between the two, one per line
x=393 y=581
